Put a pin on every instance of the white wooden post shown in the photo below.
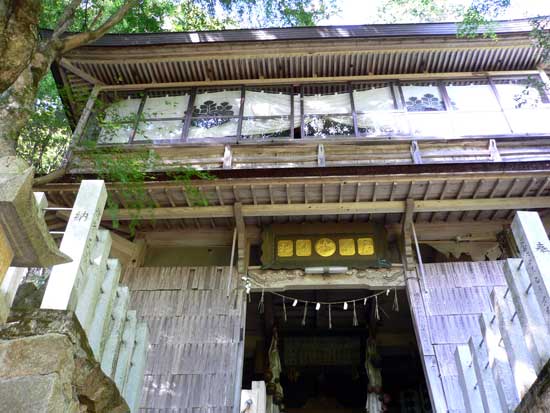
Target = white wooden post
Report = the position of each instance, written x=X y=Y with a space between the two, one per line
x=534 y=248
x=63 y=285
x=259 y=386
x=514 y=342
x=467 y=379
x=484 y=375
x=498 y=361
x=91 y=285
x=529 y=313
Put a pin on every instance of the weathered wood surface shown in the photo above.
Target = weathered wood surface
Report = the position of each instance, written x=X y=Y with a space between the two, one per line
x=446 y=306
x=195 y=336
x=379 y=151
x=66 y=280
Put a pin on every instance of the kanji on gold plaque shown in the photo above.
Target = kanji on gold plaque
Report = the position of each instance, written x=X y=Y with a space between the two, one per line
x=346 y=247
x=285 y=248
x=325 y=247
x=365 y=246
x=303 y=247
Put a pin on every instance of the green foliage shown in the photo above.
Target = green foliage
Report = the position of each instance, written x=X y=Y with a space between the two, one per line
x=130 y=170
x=481 y=14
x=44 y=140
x=420 y=11
x=541 y=35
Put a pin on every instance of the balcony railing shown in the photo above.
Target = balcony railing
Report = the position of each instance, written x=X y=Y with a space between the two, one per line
x=490 y=106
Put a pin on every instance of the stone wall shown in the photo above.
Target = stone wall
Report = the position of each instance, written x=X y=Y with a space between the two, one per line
x=47 y=366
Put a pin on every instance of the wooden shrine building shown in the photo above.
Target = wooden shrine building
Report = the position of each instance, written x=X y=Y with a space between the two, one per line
x=362 y=184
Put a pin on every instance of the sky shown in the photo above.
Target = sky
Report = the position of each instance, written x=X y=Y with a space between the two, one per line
x=366 y=11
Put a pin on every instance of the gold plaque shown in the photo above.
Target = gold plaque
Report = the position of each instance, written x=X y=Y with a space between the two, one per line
x=285 y=248
x=365 y=246
x=325 y=247
x=346 y=246
x=303 y=247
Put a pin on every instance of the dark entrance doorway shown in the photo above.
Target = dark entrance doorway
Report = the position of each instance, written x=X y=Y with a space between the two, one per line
x=323 y=355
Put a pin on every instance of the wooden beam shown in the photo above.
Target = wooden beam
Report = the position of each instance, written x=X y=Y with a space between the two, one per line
x=242 y=255
x=406 y=235
x=351 y=208
x=80 y=73
x=310 y=80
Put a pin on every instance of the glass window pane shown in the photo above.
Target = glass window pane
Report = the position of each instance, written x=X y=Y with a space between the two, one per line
x=327 y=104
x=380 y=123
x=115 y=133
x=430 y=124
x=224 y=103
x=165 y=107
x=472 y=96
x=323 y=126
x=159 y=130
x=268 y=104
x=529 y=120
x=422 y=98
x=266 y=128
x=122 y=111
x=518 y=94
x=377 y=98
x=213 y=127
x=480 y=123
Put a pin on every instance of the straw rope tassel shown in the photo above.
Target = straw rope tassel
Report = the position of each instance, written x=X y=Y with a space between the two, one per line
x=376 y=311
x=329 y=317
x=305 y=314
x=395 y=301
x=284 y=309
x=355 y=322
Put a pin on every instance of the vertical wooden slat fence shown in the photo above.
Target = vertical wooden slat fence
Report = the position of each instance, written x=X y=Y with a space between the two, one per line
x=197 y=333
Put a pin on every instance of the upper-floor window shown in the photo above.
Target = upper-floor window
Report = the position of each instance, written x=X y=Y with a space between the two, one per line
x=450 y=108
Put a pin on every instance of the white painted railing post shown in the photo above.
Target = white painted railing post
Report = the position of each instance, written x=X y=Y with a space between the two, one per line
x=65 y=279
x=534 y=248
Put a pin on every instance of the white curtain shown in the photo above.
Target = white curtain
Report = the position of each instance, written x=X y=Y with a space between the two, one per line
x=227 y=103
x=114 y=130
x=518 y=96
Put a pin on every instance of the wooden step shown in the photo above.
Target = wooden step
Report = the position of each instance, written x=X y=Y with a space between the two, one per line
x=99 y=329
x=134 y=383
x=116 y=326
x=93 y=278
x=126 y=348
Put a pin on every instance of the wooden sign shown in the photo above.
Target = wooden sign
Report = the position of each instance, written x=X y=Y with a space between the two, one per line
x=288 y=246
x=322 y=351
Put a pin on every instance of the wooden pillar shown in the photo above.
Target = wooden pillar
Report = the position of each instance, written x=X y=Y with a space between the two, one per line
x=242 y=245
x=63 y=285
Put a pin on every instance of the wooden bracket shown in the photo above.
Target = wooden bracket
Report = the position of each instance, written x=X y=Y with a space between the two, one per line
x=406 y=234
x=493 y=151
x=415 y=153
x=227 y=157
x=80 y=73
x=321 y=155
x=242 y=246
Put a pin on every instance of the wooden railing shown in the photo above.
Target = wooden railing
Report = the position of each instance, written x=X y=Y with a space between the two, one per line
x=89 y=286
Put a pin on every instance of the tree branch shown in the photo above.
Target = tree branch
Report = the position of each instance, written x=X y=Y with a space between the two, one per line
x=66 y=19
x=76 y=40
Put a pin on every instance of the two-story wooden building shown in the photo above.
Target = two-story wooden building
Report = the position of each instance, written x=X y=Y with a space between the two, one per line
x=365 y=180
